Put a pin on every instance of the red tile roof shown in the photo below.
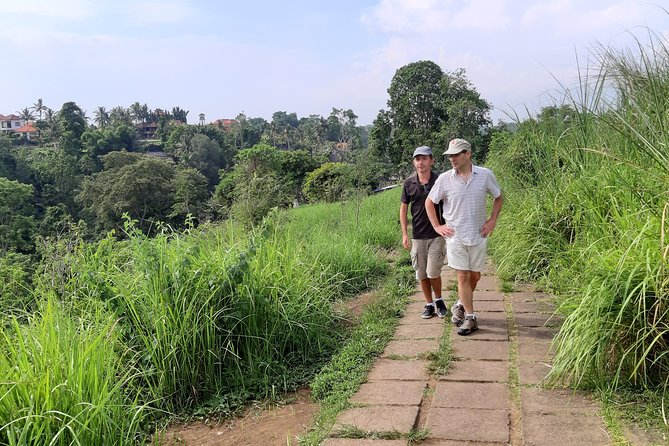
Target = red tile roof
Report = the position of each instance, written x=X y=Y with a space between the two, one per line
x=28 y=128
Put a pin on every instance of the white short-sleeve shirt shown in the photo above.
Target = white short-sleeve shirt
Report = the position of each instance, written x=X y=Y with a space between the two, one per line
x=465 y=202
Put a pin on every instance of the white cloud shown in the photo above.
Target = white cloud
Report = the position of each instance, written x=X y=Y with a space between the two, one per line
x=157 y=12
x=430 y=16
x=61 y=9
x=491 y=15
x=416 y=16
x=566 y=16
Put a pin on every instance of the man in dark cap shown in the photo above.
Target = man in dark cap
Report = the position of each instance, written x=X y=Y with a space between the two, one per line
x=427 y=246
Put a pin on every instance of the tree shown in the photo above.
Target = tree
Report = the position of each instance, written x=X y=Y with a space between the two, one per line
x=282 y=129
x=39 y=108
x=101 y=117
x=7 y=161
x=136 y=112
x=180 y=114
x=138 y=185
x=98 y=142
x=16 y=217
x=329 y=183
x=313 y=131
x=26 y=115
x=48 y=128
x=205 y=156
x=53 y=173
x=71 y=125
x=429 y=107
x=119 y=116
x=190 y=194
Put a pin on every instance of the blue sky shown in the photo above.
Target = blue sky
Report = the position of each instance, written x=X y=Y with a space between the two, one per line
x=221 y=58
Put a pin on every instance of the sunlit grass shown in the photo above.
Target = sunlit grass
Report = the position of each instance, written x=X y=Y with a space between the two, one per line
x=206 y=318
x=586 y=217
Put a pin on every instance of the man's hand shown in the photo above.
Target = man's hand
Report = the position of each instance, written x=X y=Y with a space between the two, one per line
x=405 y=242
x=445 y=231
x=488 y=227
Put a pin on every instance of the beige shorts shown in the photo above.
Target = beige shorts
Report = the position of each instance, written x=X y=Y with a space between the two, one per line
x=466 y=258
x=427 y=257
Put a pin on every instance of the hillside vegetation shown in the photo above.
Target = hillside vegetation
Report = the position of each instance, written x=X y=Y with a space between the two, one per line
x=127 y=331
x=586 y=216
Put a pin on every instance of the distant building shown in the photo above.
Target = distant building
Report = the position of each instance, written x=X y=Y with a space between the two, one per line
x=27 y=131
x=225 y=124
x=9 y=123
x=148 y=130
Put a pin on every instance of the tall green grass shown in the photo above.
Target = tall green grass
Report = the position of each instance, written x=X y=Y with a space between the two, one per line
x=202 y=318
x=586 y=217
x=63 y=382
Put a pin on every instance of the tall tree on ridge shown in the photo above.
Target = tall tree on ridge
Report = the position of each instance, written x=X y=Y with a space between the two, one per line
x=39 y=108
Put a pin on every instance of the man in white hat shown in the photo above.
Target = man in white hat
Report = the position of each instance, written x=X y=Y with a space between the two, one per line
x=463 y=191
x=427 y=247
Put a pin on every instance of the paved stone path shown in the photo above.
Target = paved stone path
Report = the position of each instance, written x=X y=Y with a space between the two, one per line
x=490 y=396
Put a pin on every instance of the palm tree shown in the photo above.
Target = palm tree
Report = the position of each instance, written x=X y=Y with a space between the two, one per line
x=26 y=115
x=120 y=115
x=101 y=117
x=49 y=124
x=179 y=114
x=39 y=107
x=136 y=111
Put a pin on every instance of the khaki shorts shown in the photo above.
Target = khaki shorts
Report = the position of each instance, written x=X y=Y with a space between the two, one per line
x=427 y=257
x=466 y=258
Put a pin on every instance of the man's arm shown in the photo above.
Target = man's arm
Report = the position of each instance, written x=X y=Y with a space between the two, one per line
x=442 y=230
x=490 y=223
x=404 y=225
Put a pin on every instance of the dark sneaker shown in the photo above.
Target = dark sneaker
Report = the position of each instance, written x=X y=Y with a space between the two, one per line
x=468 y=326
x=441 y=308
x=458 y=311
x=428 y=312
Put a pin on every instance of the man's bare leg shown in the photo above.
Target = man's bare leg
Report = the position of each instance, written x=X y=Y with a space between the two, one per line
x=465 y=290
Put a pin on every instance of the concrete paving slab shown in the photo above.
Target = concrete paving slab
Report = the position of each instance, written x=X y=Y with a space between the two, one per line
x=530 y=296
x=557 y=401
x=388 y=369
x=533 y=307
x=490 y=318
x=534 y=351
x=443 y=442
x=489 y=267
x=469 y=424
x=414 y=309
x=488 y=306
x=471 y=395
x=525 y=287
x=535 y=320
x=419 y=331
x=536 y=333
x=487 y=283
x=410 y=348
x=378 y=418
x=488 y=295
x=398 y=393
x=362 y=442
x=415 y=319
x=478 y=371
x=561 y=430
x=532 y=373
x=467 y=347
x=490 y=332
